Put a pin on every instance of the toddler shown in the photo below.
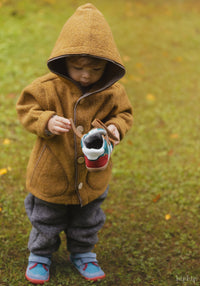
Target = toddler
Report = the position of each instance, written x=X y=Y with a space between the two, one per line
x=63 y=194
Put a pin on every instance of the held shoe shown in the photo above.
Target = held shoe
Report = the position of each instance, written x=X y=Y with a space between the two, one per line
x=97 y=149
x=37 y=271
x=87 y=266
x=97 y=145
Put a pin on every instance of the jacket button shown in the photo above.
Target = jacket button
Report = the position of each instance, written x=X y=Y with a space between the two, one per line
x=80 y=185
x=80 y=128
x=81 y=160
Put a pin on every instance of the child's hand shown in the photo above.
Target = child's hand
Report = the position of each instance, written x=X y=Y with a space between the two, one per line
x=58 y=125
x=115 y=132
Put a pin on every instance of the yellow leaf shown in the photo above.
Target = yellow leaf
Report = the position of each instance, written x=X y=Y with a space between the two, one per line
x=167 y=216
x=0 y=209
x=6 y=141
x=179 y=59
x=174 y=135
x=3 y=171
x=150 y=97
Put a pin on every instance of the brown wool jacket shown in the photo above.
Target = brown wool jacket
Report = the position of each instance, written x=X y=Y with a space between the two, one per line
x=56 y=170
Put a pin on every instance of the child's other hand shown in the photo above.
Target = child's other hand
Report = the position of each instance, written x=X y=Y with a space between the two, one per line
x=58 y=125
x=115 y=132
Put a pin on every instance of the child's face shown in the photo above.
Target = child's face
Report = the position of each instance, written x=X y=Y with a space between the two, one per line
x=84 y=71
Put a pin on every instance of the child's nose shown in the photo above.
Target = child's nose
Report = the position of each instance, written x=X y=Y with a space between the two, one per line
x=86 y=74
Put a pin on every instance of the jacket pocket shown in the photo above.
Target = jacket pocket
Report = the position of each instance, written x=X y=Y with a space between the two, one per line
x=48 y=176
x=99 y=180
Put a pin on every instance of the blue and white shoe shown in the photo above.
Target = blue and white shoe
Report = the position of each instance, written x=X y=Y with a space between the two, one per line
x=87 y=266
x=37 y=271
x=97 y=149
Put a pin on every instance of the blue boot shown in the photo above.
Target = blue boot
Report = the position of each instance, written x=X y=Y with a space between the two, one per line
x=87 y=265
x=37 y=271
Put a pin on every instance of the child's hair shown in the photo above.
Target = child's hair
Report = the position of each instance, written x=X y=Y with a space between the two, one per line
x=91 y=61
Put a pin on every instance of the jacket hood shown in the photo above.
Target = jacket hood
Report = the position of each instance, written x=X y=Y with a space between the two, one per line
x=87 y=33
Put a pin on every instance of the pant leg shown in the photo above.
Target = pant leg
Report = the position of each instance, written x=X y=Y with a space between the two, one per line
x=84 y=224
x=48 y=220
x=41 y=244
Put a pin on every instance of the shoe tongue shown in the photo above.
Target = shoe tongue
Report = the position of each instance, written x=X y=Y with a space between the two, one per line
x=94 y=141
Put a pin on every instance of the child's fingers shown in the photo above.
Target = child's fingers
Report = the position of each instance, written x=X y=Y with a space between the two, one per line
x=62 y=125
x=58 y=125
x=63 y=122
x=115 y=132
x=59 y=130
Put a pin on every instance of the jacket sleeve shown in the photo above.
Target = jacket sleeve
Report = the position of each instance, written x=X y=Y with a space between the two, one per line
x=32 y=109
x=122 y=114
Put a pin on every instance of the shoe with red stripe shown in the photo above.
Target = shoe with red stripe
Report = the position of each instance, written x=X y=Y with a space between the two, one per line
x=37 y=271
x=97 y=149
x=87 y=266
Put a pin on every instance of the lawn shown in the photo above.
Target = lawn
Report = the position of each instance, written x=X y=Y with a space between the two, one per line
x=152 y=234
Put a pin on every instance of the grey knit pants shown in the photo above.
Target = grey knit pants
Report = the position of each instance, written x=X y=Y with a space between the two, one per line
x=80 y=224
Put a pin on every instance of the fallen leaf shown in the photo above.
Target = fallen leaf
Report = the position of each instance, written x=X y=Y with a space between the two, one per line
x=150 y=97
x=179 y=59
x=130 y=142
x=174 y=136
x=167 y=216
x=6 y=141
x=170 y=153
x=3 y=171
x=157 y=198
x=109 y=211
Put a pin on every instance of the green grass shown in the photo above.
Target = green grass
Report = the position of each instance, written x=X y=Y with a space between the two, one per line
x=156 y=167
